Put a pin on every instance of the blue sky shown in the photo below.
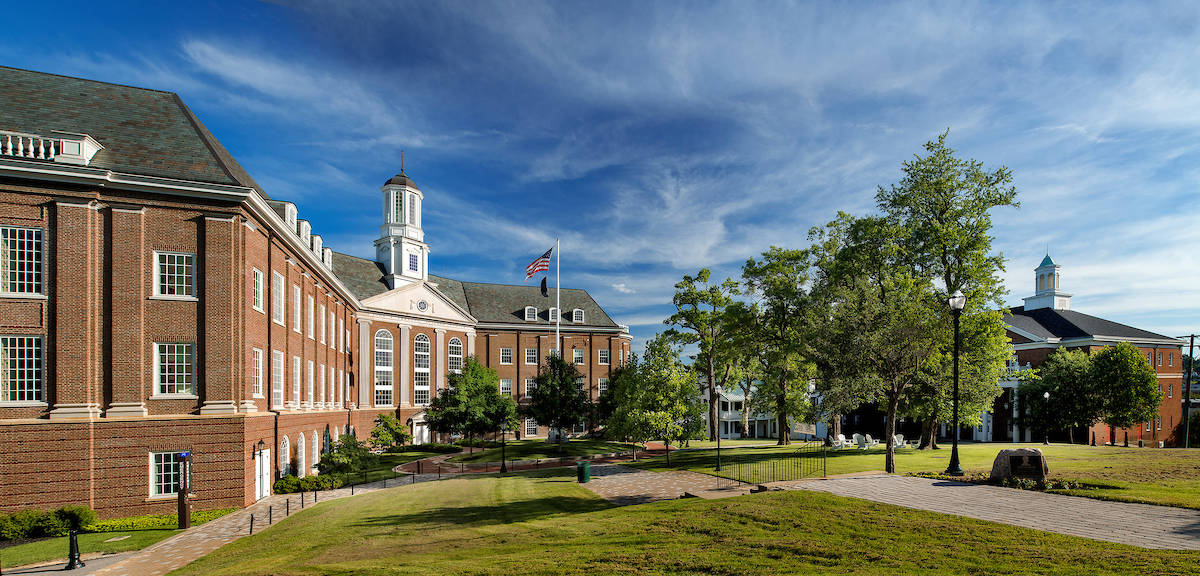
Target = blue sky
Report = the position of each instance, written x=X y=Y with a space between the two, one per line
x=657 y=138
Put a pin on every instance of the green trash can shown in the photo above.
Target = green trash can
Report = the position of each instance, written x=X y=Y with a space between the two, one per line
x=583 y=471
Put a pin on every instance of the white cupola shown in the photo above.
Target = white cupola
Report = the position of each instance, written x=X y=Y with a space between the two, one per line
x=1048 y=289
x=401 y=248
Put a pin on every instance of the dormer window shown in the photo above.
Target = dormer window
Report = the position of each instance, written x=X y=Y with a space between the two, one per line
x=289 y=211
x=530 y=314
x=554 y=314
x=316 y=245
x=577 y=316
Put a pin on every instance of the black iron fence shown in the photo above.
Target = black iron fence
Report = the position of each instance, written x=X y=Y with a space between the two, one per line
x=753 y=467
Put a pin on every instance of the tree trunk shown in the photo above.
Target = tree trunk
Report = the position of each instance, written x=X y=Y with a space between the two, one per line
x=714 y=422
x=889 y=432
x=929 y=434
x=835 y=428
x=1071 y=434
x=785 y=436
x=745 y=418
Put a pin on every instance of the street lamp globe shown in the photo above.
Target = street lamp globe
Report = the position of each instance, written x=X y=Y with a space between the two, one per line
x=1046 y=395
x=958 y=301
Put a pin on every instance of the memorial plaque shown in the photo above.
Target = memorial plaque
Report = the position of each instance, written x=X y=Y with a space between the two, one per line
x=1025 y=467
x=1020 y=463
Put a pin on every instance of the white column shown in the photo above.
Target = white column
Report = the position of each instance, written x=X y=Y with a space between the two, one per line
x=441 y=358
x=403 y=358
x=470 y=343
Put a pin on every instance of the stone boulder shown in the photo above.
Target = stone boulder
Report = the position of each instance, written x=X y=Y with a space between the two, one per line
x=1020 y=463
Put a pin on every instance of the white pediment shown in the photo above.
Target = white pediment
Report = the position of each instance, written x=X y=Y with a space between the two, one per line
x=422 y=300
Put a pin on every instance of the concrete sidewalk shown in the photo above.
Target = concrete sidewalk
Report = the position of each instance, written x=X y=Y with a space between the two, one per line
x=1144 y=525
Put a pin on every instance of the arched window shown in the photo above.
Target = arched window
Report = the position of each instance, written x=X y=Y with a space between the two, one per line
x=316 y=448
x=577 y=316
x=412 y=210
x=421 y=369
x=301 y=469
x=398 y=208
x=285 y=457
x=337 y=433
x=383 y=368
x=454 y=355
x=531 y=314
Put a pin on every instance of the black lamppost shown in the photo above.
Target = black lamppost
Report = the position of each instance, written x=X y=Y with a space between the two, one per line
x=1046 y=417
x=718 y=428
x=503 y=464
x=957 y=303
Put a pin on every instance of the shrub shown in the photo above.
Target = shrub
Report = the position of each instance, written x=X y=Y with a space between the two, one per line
x=287 y=485
x=477 y=443
x=153 y=521
x=347 y=455
x=291 y=484
x=441 y=448
x=75 y=517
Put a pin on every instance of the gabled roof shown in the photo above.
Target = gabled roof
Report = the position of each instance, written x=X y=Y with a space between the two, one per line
x=488 y=303
x=1047 y=262
x=1048 y=323
x=145 y=132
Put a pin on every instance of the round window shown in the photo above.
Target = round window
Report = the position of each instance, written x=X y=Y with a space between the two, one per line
x=422 y=305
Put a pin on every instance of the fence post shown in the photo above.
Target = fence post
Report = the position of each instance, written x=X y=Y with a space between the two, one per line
x=270 y=515
x=315 y=496
x=252 y=523
x=301 y=500
x=287 y=507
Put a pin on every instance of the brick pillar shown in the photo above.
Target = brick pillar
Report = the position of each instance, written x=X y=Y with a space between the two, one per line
x=440 y=355
x=403 y=359
x=366 y=366
x=220 y=317
x=76 y=309
x=130 y=273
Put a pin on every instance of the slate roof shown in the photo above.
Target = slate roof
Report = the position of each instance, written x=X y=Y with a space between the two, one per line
x=1069 y=324
x=1046 y=262
x=146 y=132
x=489 y=303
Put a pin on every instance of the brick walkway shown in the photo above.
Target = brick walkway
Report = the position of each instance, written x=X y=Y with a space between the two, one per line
x=624 y=486
x=1143 y=525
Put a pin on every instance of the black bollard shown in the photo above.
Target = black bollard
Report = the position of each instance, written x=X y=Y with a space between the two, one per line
x=73 y=551
x=287 y=507
x=1093 y=437
x=301 y=500
x=1126 y=438
x=314 y=496
x=270 y=515
x=252 y=524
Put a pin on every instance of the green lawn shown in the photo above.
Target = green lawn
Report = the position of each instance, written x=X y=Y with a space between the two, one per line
x=1151 y=475
x=546 y=524
x=388 y=461
x=539 y=449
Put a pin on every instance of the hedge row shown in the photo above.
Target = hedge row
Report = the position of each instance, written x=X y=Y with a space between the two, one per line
x=27 y=524
x=153 y=521
x=290 y=484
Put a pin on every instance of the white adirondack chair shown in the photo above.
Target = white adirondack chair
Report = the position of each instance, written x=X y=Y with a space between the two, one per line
x=840 y=442
x=871 y=442
x=899 y=440
x=860 y=441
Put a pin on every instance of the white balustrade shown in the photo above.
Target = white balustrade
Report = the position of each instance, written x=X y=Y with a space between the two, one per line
x=33 y=146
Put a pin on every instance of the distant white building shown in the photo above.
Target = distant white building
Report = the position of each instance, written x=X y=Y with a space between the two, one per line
x=758 y=425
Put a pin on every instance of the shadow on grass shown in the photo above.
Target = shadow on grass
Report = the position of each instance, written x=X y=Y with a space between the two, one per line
x=505 y=513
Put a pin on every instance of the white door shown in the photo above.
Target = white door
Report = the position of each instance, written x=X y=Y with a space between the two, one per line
x=262 y=475
x=420 y=433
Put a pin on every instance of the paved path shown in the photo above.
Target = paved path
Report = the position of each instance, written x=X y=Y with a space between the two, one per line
x=1142 y=525
x=624 y=486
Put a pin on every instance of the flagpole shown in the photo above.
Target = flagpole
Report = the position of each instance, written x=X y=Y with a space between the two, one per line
x=557 y=297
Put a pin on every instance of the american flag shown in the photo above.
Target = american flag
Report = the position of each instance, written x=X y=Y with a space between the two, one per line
x=539 y=265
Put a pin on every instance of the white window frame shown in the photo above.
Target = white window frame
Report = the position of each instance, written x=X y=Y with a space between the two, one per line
x=158 y=285
x=23 y=385
x=321 y=322
x=332 y=390
x=285 y=456
x=506 y=383
x=553 y=314
x=341 y=334
x=278 y=368
x=530 y=386
x=602 y=356
x=308 y=403
x=421 y=391
x=311 y=303
x=296 y=376
x=298 y=299
x=578 y=356
x=414 y=262
x=577 y=316
x=506 y=352
x=321 y=386
x=332 y=329
x=256 y=372
x=154 y=491
x=454 y=359
x=384 y=391
x=278 y=298
x=256 y=290
x=34 y=284
x=582 y=383
x=528 y=357
x=531 y=313
x=601 y=385
x=531 y=424
x=158 y=371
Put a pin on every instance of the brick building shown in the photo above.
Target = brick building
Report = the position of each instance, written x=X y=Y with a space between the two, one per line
x=1045 y=323
x=155 y=300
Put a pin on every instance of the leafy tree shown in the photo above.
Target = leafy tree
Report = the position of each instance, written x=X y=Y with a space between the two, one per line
x=347 y=455
x=558 y=401
x=1074 y=401
x=700 y=307
x=661 y=399
x=622 y=385
x=389 y=433
x=1128 y=384
x=471 y=404
x=777 y=283
x=941 y=210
